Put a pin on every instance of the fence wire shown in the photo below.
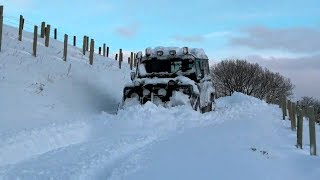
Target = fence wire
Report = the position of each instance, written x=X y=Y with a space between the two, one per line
x=29 y=27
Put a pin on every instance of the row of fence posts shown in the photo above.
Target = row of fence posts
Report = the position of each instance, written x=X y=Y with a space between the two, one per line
x=295 y=112
x=45 y=33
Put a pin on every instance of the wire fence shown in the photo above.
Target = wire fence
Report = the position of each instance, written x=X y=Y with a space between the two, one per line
x=295 y=112
x=58 y=35
x=29 y=27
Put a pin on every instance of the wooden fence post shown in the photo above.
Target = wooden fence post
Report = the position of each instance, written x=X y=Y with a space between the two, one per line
x=22 y=23
x=20 y=28
x=87 y=44
x=43 y=26
x=55 y=33
x=116 y=57
x=312 y=132
x=104 y=50
x=91 y=51
x=84 y=45
x=74 y=40
x=293 y=119
x=99 y=50
x=135 y=60
x=284 y=107
x=35 y=40
x=47 y=35
x=131 y=60
x=65 y=49
x=289 y=109
x=300 y=128
x=120 y=58
x=1 y=25
x=108 y=51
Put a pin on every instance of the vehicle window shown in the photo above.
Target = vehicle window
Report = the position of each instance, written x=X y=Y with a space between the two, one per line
x=158 y=66
x=205 y=67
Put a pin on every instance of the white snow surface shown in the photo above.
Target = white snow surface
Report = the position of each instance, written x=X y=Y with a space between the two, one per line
x=197 y=52
x=58 y=121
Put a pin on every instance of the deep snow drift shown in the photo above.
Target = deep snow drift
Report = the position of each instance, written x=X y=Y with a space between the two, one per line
x=58 y=121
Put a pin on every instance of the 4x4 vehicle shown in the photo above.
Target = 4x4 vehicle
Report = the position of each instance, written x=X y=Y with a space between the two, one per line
x=170 y=77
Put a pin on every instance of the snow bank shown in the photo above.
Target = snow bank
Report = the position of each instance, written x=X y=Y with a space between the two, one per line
x=36 y=92
x=197 y=52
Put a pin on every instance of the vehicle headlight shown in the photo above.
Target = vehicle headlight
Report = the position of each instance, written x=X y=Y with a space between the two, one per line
x=146 y=92
x=136 y=83
x=127 y=92
x=162 y=92
x=171 y=83
x=133 y=95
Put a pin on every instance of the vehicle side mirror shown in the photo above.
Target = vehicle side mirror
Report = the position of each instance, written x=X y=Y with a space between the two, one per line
x=132 y=75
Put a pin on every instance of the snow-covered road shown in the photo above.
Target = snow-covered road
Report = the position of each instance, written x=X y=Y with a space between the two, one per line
x=244 y=135
x=58 y=121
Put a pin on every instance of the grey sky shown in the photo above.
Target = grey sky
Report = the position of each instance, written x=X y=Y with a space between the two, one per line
x=295 y=40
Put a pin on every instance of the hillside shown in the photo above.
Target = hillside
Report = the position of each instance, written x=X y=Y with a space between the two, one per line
x=58 y=120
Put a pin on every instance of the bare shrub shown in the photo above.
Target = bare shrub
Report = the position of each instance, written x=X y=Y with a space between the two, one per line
x=241 y=76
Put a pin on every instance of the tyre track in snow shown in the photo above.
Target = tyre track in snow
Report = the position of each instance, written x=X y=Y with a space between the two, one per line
x=25 y=144
x=90 y=160
x=113 y=141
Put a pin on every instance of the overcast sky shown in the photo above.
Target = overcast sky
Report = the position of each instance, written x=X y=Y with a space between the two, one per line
x=282 y=35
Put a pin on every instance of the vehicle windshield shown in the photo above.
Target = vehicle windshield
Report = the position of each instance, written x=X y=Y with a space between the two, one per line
x=169 y=66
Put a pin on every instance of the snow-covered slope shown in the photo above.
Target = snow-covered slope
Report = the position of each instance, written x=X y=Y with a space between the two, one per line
x=58 y=121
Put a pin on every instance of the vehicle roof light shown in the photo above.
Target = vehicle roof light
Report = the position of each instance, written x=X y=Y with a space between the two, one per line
x=159 y=53
x=139 y=55
x=185 y=50
x=172 y=52
x=148 y=51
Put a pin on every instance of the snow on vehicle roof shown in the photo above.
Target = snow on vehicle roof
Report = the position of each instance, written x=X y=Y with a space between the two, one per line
x=197 y=52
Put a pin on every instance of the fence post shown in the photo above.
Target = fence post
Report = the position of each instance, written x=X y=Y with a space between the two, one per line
x=120 y=58
x=91 y=51
x=47 y=35
x=289 y=109
x=1 y=25
x=131 y=60
x=35 y=40
x=104 y=49
x=293 y=120
x=84 y=45
x=99 y=50
x=65 y=49
x=312 y=132
x=116 y=57
x=74 y=40
x=55 y=33
x=284 y=107
x=43 y=26
x=20 y=28
x=108 y=51
x=300 y=128
x=87 y=44
x=22 y=22
x=135 y=60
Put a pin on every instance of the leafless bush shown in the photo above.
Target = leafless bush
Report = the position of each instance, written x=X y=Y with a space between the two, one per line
x=251 y=79
x=307 y=101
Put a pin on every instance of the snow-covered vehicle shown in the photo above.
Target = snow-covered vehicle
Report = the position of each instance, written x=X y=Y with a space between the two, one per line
x=170 y=77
